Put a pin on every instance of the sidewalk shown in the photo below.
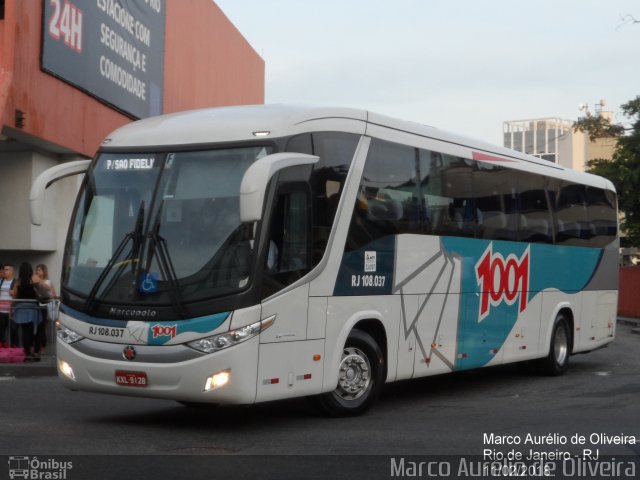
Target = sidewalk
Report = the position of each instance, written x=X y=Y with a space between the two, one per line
x=634 y=322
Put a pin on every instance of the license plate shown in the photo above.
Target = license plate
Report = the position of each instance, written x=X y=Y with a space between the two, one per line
x=131 y=379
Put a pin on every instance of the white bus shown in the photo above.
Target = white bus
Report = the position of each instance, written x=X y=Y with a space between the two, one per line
x=246 y=254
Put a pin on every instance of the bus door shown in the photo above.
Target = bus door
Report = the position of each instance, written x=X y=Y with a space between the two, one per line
x=286 y=365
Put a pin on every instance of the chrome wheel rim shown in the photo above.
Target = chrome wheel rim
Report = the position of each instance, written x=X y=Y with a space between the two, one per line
x=561 y=345
x=354 y=374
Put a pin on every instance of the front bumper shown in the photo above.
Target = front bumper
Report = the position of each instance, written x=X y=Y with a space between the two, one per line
x=174 y=380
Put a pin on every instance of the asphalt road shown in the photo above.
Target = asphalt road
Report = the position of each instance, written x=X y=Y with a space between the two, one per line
x=445 y=415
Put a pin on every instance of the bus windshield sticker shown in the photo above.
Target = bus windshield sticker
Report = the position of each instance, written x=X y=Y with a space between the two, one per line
x=130 y=164
x=149 y=283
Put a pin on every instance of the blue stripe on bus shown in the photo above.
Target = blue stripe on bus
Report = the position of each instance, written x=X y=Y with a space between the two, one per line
x=205 y=324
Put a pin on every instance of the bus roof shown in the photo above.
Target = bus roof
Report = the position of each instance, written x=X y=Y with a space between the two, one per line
x=245 y=123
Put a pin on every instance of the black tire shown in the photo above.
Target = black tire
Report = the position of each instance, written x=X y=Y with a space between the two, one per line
x=363 y=371
x=557 y=361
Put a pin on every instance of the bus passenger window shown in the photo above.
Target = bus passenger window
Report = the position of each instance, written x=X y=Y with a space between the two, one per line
x=572 y=225
x=447 y=194
x=535 y=216
x=388 y=201
x=601 y=212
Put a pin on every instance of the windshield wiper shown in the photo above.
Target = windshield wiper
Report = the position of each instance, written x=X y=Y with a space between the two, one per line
x=132 y=258
x=158 y=246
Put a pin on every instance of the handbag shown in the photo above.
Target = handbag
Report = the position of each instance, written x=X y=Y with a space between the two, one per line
x=43 y=295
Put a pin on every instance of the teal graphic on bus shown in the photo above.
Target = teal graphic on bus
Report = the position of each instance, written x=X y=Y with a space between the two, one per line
x=505 y=291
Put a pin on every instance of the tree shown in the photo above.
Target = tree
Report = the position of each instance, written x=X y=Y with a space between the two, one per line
x=598 y=127
x=624 y=168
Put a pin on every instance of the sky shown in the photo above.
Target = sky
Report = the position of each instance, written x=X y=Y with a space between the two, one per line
x=459 y=65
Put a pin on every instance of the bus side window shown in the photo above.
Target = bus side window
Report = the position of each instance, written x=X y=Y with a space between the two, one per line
x=447 y=198
x=336 y=151
x=535 y=215
x=601 y=212
x=572 y=225
x=388 y=202
x=288 y=255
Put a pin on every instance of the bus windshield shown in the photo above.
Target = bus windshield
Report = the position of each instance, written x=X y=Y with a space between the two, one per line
x=161 y=228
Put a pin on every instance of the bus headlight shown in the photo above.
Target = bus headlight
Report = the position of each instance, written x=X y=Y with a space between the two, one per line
x=67 y=335
x=229 y=339
x=218 y=380
x=66 y=369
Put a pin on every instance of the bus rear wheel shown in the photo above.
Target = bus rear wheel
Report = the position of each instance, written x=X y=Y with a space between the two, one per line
x=557 y=361
x=362 y=372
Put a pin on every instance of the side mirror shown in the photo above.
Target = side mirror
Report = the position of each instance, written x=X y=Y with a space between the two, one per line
x=256 y=178
x=46 y=178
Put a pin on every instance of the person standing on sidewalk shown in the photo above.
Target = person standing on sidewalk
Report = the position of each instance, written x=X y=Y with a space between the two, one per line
x=6 y=284
x=45 y=289
x=26 y=312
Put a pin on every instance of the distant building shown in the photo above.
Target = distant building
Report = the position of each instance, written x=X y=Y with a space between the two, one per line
x=539 y=136
x=553 y=139
x=71 y=71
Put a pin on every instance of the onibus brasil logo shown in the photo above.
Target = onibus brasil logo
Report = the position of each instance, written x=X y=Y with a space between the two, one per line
x=502 y=280
x=33 y=468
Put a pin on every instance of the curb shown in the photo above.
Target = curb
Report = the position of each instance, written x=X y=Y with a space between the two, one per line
x=45 y=368
x=634 y=322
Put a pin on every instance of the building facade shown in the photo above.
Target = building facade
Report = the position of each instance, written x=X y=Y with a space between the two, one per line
x=71 y=71
x=553 y=139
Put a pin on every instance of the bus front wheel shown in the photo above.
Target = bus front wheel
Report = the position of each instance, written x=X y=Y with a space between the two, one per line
x=361 y=374
x=557 y=361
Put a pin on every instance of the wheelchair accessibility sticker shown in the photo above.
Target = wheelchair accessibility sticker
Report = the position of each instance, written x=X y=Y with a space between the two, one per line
x=149 y=283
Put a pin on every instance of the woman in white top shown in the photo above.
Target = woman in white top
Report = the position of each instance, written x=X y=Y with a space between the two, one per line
x=41 y=279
